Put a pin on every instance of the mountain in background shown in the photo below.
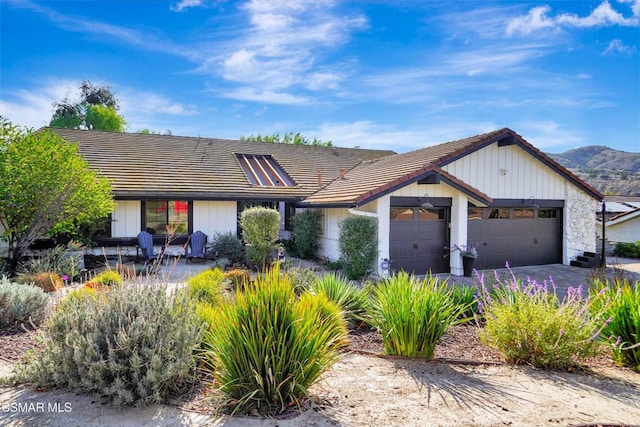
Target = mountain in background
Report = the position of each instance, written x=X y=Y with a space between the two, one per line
x=610 y=171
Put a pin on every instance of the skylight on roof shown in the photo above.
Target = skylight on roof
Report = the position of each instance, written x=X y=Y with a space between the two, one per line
x=264 y=171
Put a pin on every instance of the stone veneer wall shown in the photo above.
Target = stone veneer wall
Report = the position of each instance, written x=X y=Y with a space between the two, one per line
x=579 y=223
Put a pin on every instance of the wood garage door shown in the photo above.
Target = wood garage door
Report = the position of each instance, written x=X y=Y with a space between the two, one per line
x=521 y=236
x=417 y=239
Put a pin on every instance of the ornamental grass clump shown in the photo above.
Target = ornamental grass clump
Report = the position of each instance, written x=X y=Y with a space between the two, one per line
x=21 y=304
x=353 y=301
x=132 y=346
x=207 y=286
x=270 y=346
x=413 y=314
x=527 y=323
x=622 y=300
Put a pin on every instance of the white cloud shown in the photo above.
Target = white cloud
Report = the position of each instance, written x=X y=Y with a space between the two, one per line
x=616 y=46
x=33 y=107
x=185 y=4
x=368 y=134
x=267 y=96
x=146 y=40
x=548 y=134
x=604 y=15
x=283 y=48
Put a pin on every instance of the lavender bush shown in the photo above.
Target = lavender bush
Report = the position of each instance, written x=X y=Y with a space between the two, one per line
x=528 y=323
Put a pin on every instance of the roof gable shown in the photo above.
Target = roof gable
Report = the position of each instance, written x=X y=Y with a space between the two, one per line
x=375 y=178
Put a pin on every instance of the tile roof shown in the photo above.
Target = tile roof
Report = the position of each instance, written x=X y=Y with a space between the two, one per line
x=625 y=216
x=142 y=166
x=375 y=178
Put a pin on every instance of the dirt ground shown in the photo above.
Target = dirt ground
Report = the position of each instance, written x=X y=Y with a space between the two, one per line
x=466 y=385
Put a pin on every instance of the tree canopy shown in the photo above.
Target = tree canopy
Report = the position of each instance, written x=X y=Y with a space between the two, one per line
x=287 y=138
x=46 y=188
x=97 y=109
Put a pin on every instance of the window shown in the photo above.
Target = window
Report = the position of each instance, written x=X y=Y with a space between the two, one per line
x=289 y=211
x=499 y=214
x=161 y=216
x=264 y=171
x=474 y=213
x=398 y=214
x=430 y=213
x=522 y=213
x=547 y=213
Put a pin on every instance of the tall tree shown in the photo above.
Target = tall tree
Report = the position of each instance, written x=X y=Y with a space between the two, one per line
x=287 y=138
x=46 y=188
x=97 y=109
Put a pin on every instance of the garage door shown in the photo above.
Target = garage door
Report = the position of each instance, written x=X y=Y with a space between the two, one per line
x=521 y=236
x=417 y=239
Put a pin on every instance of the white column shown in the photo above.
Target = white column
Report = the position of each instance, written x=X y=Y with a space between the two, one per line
x=458 y=231
x=383 y=211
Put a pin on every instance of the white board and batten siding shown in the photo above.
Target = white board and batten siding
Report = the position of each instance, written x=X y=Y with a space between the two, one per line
x=331 y=219
x=508 y=173
x=126 y=219
x=213 y=217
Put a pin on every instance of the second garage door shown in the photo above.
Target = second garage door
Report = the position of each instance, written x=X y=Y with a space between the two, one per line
x=520 y=236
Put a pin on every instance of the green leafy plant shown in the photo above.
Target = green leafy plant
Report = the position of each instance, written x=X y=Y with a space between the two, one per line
x=358 y=243
x=207 y=286
x=622 y=303
x=353 y=301
x=260 y=231
x=465 y=296
x=629 y=250
x=238 y=277
x=528 y=324
x=108 y=278
x=269 y=346
x=227 y=245
x=46 y=188
x=307 y=229
x=133 y=346
x=301 y=279
x=56 y=260
x=413 y=314
x=21 y=304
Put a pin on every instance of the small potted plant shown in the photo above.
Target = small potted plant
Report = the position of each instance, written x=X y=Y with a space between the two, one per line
x=469 y=255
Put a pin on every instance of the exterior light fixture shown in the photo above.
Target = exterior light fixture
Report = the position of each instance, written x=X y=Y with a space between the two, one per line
x=425 y=203
x=530 y=202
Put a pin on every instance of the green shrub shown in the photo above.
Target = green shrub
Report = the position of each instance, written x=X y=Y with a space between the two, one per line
x=301 y=279
x=465 y=296
x=19 y=303
x=207 y=315
x=108 y=278
x=628 y=250
x=55 y=260
x=227 y=245
x=133 y=346
x=307 y=229
x=353 y=301
x=358 y=243
x=207 y=286
x=622 y=303
x=413 y=314
x=528 y=324
x=269 y=347
x=238 y=277
x=260 y=231
x=47 y=281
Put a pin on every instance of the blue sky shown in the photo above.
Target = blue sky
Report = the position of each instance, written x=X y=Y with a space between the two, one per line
x=394 y=75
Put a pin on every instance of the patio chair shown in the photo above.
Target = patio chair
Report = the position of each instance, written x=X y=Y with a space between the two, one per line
x=197 y=246
x=145 y=243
